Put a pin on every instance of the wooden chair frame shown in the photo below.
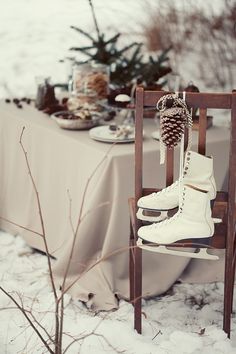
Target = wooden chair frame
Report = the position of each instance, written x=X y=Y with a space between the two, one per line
x=224 y=206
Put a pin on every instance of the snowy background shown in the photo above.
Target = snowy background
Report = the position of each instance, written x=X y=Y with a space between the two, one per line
x=34 y=36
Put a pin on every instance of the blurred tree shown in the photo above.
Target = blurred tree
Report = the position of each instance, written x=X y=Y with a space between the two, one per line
x=202 y=39
x=125 y=69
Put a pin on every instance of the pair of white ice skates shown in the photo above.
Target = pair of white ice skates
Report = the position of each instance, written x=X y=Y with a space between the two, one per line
x=192 y=193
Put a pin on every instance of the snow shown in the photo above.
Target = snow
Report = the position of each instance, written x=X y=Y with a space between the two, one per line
x=188 y=319
x=34 y=36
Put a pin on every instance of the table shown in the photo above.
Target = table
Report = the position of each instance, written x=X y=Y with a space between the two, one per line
x=62 y=161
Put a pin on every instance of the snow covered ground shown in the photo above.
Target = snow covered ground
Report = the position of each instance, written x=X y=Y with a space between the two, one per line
x=34 y=36
x=187 y=320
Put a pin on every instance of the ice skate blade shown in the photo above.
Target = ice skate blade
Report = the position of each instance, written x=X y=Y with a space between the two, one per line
x=201 y=254
x=141 y=216
x=184 y=242
x=163 y=216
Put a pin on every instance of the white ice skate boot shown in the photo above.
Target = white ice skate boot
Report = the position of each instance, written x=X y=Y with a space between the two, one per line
x=192 y=221
x=198 y=171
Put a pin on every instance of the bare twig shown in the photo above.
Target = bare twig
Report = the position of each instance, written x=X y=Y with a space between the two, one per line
x=28 y=319
x=22 y=227
x=107 y=256
x=75 y=233
x=93 y=332
x=79 y=219
x=40 y=214
x=57 y=319
x=70 y=213
x=56 y=339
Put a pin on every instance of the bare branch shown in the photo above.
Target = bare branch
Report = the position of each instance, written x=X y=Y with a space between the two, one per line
x=40 y=214
x=57 y=320
x=28 y=319
x=79 y=219
x=70 y=209
x=113 y=253
x=22 y=227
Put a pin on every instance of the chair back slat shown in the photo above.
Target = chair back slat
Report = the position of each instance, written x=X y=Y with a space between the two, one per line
x=202 y=126
x=138 y=143
x=194 y=100
x=232 y=179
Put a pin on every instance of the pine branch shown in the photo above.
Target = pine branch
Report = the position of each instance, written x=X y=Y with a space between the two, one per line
x=82 y=48
x=113 y=39
x=120 y=52
x=82 y=32
x=83 y=51
x=94 y=18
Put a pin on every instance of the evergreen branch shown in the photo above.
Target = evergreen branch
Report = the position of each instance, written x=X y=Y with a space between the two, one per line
x=82 y=48
x=83 y=51
x=112 y=39
x=120 y=52
x=135 y=57
x=163 y=56
x=94 y=18
x=82 y=32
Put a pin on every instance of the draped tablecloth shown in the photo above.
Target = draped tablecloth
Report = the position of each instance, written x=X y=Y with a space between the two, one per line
x=62 y=162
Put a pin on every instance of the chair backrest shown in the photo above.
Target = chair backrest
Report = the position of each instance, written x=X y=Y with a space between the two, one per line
x=201 y=101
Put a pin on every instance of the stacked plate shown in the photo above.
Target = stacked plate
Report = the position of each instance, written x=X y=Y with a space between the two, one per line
x=107 y=135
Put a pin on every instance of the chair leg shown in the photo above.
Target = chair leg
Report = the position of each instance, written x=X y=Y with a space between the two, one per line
x=131 y=270
x=228 y=292
x=232 y=294
x=138 y=290
x=234 y=268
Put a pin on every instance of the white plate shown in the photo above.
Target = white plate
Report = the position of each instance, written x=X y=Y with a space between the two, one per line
x=106 y=135
x=156 y=135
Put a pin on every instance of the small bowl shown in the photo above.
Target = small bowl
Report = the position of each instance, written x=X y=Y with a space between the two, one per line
x=75 y=123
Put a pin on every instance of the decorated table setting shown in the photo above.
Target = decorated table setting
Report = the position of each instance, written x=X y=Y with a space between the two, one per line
x=62 y=162
x=82 y=140
x=85 y=108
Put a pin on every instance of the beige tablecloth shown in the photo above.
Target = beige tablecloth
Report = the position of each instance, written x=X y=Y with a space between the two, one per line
x=61 y=163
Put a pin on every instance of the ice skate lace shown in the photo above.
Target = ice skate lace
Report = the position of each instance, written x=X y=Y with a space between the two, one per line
x=167 y=189
x=173 y=218
x=179 y=181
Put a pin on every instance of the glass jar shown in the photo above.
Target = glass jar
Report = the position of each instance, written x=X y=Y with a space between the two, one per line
x=91 y=80
x=45 y=95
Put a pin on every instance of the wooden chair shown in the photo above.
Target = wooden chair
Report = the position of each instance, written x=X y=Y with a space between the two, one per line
x=224 y=206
